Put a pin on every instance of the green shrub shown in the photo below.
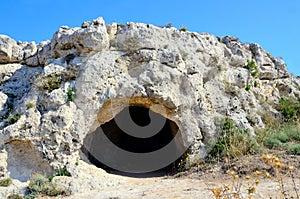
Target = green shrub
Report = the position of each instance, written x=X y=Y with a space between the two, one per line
x=233 y=142
x=294 y=134
x=54 y=81
x=183 y=29
x=61 y=172
x=71 y=95
x=51 y=82
x=39 y=184
x=30 y=105
x=14 y=118
x=248 y=87
x=255 y=84
x=282 y=137
x=253 y=69
x=290 y=108
x=293 y=149
x=5 y=182
x=272 y=143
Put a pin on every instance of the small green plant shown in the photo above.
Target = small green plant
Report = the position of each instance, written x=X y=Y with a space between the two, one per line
x=293 y=149
x=71 y=95
x=14 y=118
x=166 y=46
x=253 y=69
x=183 y=29
x=283 y=136
x=255 y=84
x=233 y=142
x=54 y=81
x=183 y=163
x=248 y=87
x=5 y=182
x=40 y=185
x=290 y=108
x=30 y=105
x=76 y=163
x=51 y=82
x=63 y=172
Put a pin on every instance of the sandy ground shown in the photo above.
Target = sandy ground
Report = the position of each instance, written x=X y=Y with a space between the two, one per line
x=94 y=183
x=193 y=185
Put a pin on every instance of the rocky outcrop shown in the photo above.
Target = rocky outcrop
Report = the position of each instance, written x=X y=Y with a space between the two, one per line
x=54 y=94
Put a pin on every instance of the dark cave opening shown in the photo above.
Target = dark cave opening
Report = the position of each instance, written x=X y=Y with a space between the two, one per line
x=130 y=132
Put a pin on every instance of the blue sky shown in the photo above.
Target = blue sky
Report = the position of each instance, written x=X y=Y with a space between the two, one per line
x=273 y=24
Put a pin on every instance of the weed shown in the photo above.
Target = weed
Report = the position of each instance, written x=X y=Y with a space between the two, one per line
x=283 y=136
x=280 y=168
x=290 y=108
x=293 y=149
x=252 y=181
x=166 y=46
x=255 y=84
x=233 y=142
x=40 y=185
x=51 y=82
x=248 y=87
x=253 y=69
x=54 y=81
x=14 y=118
x=5 y=182
x=61 y=172
x=183 y=163
x=71 y=95
x=30 y=105
x=183 y=29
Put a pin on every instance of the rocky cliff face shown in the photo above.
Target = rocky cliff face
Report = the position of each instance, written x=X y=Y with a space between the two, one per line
x=53 y=95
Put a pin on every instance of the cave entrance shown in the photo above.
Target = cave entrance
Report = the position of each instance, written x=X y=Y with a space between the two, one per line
x=136 y=142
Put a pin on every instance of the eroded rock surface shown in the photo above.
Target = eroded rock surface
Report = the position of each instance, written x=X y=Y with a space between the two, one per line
x=54 y=93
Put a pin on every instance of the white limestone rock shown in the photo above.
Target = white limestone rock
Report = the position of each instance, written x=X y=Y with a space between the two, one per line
x=9 y=50
x=189 y=78
x=80 y=41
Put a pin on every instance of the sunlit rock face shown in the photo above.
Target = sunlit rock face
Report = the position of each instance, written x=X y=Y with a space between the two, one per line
x=54 y=95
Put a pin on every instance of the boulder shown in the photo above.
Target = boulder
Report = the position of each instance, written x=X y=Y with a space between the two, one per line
x=9 y=50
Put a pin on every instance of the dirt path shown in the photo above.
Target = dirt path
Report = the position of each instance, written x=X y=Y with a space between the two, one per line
x=95 y=183
x=191 y=186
